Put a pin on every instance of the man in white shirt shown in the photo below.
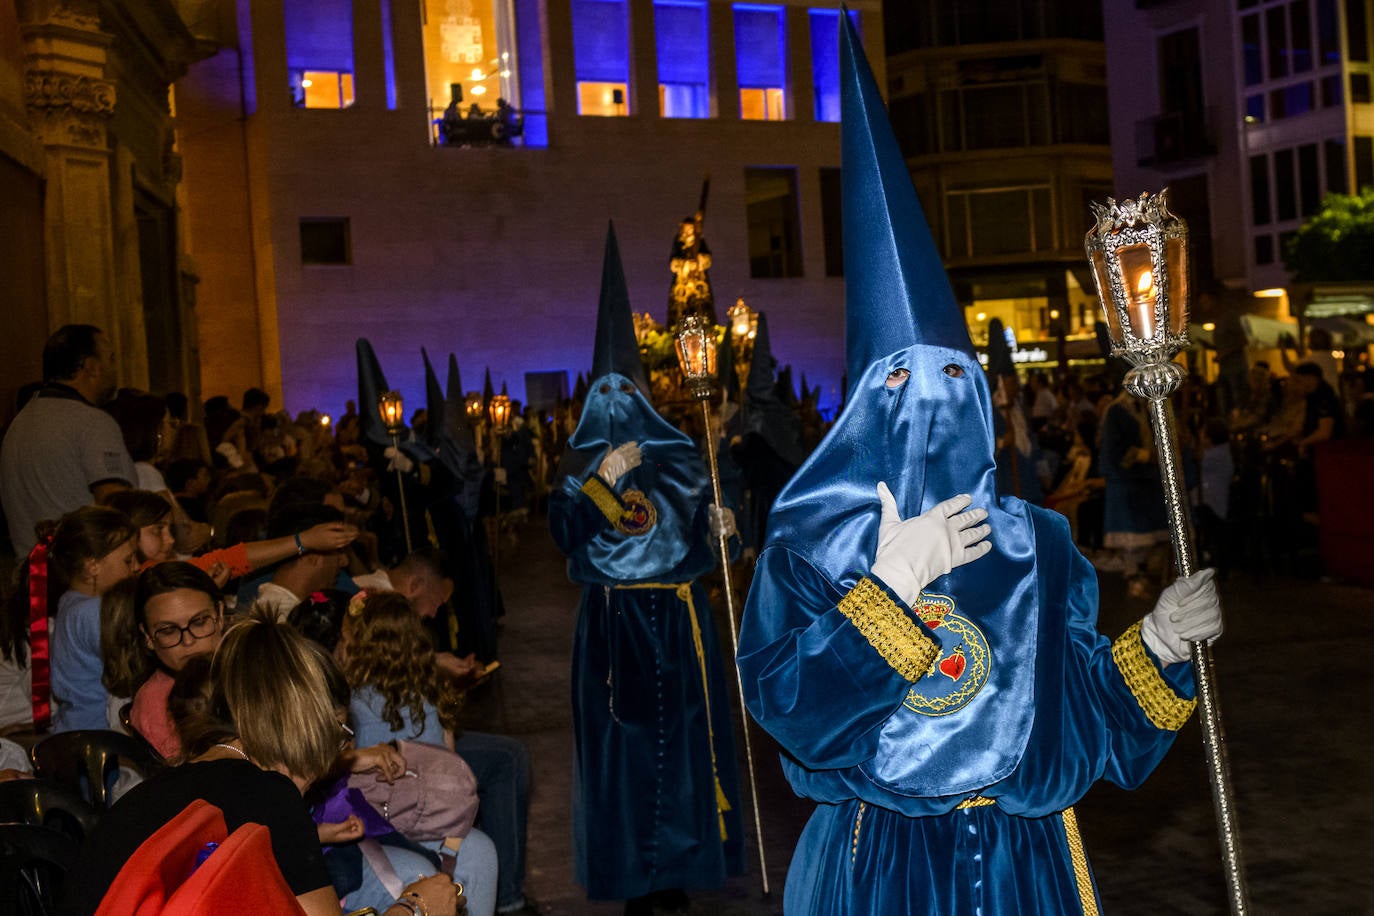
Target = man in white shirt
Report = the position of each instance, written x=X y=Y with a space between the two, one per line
x=62 y=451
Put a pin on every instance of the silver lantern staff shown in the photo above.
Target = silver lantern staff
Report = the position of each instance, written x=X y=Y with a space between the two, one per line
x=1139 y=256
x=393 y=416
x=696 y=355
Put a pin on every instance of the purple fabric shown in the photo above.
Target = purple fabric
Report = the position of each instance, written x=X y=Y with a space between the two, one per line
x=342 y=802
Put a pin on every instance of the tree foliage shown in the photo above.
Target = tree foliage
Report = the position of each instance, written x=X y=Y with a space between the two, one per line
x=1336 y=245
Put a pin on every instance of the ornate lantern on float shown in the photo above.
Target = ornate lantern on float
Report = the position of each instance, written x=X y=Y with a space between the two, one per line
x=696 y=355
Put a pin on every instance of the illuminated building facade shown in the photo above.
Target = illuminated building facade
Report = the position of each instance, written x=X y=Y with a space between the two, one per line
x=1001 y=110
x=1251 y=111
x=350 y=173
x=88 y=182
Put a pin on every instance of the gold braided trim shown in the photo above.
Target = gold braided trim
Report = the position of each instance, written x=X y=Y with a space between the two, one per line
x=976 y=801
x=1087 y=897
x=604 y=498
x=888 y=629
x=1162 y=706
x=858 y=824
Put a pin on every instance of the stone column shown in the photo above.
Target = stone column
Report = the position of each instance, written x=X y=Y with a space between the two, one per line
x=69 y=104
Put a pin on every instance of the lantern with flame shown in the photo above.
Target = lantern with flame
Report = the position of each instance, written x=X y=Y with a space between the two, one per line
x=1139 y=256
x=696 y=354
x=499 y=412
x=473 y=405
x=392 y=409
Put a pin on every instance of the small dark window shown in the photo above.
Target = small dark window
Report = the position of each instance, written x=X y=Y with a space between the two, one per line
x=1264 y=249
x=1300 y=22
x=1359 y=88
x=1331 y=91
x=1357 y=29
x=832 y=224
x=1364 y=162
x=771 y=209
x=326 y=241
x=1309 y=179
x=1254 y=109
x=1276 y=29
x=1335 y=166
x=1251 y=51
x=1285 y=185
x=1259 y=190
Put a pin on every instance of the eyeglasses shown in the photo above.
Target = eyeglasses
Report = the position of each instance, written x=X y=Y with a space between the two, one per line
x=169 y=635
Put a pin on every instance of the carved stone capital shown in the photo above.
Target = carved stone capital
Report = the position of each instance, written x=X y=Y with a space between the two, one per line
x=69 y=109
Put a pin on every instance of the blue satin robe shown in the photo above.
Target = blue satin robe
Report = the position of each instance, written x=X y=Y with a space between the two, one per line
x=644 y=787
x=877 y=843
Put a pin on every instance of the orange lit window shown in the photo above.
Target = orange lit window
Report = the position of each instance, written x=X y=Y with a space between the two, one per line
x=603 y=99
x=761 y=105
x=325 y=89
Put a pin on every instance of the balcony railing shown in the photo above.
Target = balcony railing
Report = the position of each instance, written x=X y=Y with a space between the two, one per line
x=1175 y=137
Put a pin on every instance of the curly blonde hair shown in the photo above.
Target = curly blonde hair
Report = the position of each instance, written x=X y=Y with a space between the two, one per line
x=389 y=650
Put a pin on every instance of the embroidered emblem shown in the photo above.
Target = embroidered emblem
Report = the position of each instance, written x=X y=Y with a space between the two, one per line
x=953 y=679
x=639 y=514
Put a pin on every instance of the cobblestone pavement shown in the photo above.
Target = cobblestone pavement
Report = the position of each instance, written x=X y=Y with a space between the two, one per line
x=1294 y=673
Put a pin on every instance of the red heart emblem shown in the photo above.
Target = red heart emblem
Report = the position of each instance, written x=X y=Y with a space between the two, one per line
x=953 y=665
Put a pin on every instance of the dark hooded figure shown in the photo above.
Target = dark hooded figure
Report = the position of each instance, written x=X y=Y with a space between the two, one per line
x=1018 y=452
x=926 y=652
x=768 y=446
x=655 y=790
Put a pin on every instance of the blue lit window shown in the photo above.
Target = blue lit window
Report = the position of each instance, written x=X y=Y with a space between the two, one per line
x=761 y=62
x=601 y=55
x=684 y=58
x=530 y=45
x=319 y=53
x=825 y=61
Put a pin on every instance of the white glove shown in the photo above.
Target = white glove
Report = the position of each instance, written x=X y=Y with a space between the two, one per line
x=722 y=522
x=1187 y=611
x=397 y=460
x=914 y=552
x=618 y=461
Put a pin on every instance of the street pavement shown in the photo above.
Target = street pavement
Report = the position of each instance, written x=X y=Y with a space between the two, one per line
x=1293 y=672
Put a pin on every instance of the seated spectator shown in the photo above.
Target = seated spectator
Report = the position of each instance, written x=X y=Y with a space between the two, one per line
x=271 y=732
x=311 y=568
x=390 y=664
x=93 y=549
x=189 y=480
x=177 y=615
x=422 y=580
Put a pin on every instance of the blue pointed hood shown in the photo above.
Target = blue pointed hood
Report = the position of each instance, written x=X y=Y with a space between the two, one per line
x=617 y=349
x=891 y=263
x=766 y=412
x=456 y=423
x=917 y=416
x=371 y=386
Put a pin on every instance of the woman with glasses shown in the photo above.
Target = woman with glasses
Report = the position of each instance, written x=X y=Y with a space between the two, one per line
x=177 y=614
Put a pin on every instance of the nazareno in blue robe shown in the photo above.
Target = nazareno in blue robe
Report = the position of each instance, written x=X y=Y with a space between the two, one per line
x=649 y=781
x=941 y=789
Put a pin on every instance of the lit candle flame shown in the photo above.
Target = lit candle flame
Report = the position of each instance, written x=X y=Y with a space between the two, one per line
x=1146 y=285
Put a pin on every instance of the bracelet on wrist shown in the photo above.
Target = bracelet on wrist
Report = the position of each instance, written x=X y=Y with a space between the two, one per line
x=300 y=547
x=408 y=904
x=414 y=902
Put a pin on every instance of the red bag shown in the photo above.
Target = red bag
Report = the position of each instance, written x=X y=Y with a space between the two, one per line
x=434 y=800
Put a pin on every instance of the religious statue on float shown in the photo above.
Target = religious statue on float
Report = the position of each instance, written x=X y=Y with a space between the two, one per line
x=690 y=264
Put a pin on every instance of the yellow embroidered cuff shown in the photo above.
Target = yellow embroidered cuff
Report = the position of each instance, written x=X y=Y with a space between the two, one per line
x=630 y=513
x=604 y=497
x=1162 y=706
x=889 y=630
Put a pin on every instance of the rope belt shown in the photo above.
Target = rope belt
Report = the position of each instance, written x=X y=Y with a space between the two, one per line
x=684 y=594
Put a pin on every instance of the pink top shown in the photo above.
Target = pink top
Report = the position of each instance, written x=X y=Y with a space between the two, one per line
x=150 y=716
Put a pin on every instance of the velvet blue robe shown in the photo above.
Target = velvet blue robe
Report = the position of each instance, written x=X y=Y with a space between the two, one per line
x=1022 y=710
x=645 y=804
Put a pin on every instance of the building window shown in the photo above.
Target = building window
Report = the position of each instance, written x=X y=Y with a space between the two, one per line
x=994 y=221
x=1357 y=28
x=1285 y=186
x=472 y=71
x=1334 y=153
x=319 y=53
x=825 y=61
x=832 y=222
x=1359 y=88
x=1254 y=109
x=1364 y=162
x=388 y=56
x=1300 y=27
x=1309 y=179
x=1259 y=190
x=601 y=54
x=761 y=62
x=1264 y=249
x=326 y=241
x=1276 y=33
x=684 y=58
x=529 y=43
x=770 y=196
x=1331 y=91
x=1251 y=49
x=1328 y=33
